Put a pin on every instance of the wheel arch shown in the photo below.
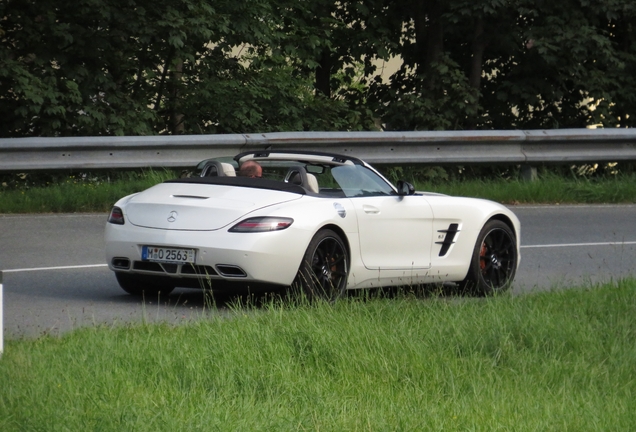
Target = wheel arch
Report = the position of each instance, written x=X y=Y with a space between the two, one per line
x=505 y=219
x=335 y=228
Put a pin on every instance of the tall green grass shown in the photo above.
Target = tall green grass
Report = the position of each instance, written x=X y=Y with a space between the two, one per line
x=549 y=189
x=561 y=361
x=76 y=194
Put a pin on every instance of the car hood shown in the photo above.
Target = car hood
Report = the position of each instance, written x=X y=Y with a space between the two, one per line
x=198 y=207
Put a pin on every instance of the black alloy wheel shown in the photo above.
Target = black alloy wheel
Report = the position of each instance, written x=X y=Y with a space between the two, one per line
x=325 y=267
x=494 y=260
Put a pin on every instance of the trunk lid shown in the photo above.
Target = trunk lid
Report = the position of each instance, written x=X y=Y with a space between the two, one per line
x=198 y=207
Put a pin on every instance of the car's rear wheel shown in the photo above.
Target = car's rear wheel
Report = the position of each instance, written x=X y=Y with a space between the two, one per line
x=325 y=267
x=494 y=260
x=146 y=286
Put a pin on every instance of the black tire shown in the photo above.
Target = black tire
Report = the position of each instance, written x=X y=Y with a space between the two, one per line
x=146 y=286
x=324 y=270
x=494 y=260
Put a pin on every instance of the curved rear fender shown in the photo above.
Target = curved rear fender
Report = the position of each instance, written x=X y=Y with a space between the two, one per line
x=342 y=235
x=313 y=214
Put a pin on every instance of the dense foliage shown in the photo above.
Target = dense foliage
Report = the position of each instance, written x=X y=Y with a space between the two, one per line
x=131 y=67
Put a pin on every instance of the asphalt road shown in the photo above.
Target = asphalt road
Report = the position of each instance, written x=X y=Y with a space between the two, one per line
x=55 y=279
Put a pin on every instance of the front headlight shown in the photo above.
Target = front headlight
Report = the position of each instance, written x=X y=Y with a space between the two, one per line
x=262 y=224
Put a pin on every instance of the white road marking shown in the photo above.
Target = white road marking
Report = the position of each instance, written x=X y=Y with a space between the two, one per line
x=54 y=268
x=522 y=247
x=624 y=243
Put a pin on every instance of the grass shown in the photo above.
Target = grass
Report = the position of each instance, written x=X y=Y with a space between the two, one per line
x=549 y=189
x=562 y=360
x=75 y=193
x=81 y=193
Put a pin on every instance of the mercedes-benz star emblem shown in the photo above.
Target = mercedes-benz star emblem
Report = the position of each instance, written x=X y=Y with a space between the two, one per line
x=172 y=216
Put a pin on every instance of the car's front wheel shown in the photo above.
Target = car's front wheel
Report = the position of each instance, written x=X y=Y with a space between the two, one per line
x=143 y=285
x=325 y=267
x=494 y=260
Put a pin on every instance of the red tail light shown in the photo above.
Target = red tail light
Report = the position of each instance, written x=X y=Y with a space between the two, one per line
x=116 y=216
x=262 y=224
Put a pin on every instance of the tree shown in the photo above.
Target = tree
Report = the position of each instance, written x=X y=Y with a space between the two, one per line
x=565 y=72
x=105 y=67
x=68 y=68
x=115 y=67
x=510 y=64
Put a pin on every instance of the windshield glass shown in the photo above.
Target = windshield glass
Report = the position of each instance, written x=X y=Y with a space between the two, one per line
x=357 y=181
x=349 y=180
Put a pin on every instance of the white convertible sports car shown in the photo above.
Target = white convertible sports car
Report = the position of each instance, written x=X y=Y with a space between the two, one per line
x=323 y=222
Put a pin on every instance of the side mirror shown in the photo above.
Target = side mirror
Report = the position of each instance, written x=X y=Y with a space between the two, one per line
x=405 y=188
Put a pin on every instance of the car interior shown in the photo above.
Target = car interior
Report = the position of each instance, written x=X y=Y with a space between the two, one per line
x=296 y=174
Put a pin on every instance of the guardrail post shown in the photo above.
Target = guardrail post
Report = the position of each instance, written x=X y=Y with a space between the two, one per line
x=1 y=319
x=528 y=173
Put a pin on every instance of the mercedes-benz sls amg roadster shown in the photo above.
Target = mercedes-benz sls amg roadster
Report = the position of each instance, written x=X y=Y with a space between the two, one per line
x=323 y=222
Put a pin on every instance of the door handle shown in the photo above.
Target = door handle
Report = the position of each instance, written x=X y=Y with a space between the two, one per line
x=370 y=209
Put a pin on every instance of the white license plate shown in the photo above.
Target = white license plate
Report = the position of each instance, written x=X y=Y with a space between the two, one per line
x=167 y=255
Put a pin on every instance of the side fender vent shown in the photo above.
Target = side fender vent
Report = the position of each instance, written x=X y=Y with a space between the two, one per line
x=449 y=238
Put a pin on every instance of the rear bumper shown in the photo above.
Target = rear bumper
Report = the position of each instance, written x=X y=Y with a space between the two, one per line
x=220 y=256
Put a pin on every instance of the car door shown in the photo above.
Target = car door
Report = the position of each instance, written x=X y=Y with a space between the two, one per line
x=395 y=231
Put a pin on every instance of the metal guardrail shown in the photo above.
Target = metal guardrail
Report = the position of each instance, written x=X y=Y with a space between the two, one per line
x=426 y=147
